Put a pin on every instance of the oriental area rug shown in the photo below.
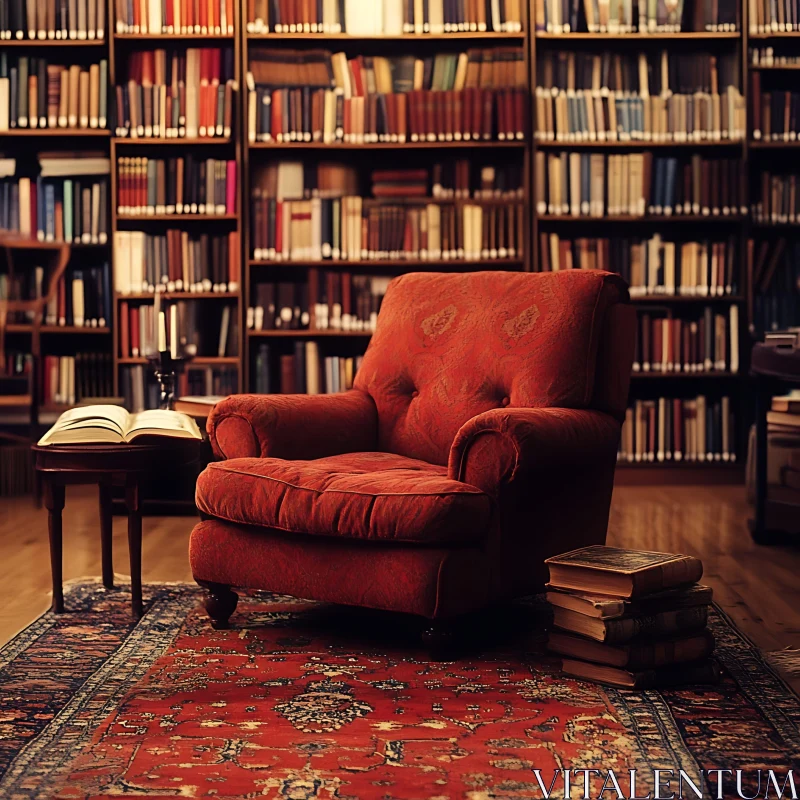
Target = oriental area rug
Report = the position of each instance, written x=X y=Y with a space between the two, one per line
x=302 y=700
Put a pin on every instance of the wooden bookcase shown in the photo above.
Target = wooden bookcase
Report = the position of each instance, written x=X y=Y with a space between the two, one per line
x=249 y=156
x=121 y=46
x=25 y=144
x=256 y=153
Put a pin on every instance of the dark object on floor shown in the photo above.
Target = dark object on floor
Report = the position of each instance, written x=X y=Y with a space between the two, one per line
x=309 y=700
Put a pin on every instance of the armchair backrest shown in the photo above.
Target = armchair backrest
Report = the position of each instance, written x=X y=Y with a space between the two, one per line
x=451 y=346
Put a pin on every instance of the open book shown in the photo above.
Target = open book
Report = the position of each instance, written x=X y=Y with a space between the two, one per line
x=112 y=424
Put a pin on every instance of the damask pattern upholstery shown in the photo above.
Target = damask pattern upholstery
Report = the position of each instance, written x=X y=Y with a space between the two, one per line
x=479 y=439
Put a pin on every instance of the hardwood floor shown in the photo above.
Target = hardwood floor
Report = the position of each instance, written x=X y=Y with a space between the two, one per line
x=757 y=586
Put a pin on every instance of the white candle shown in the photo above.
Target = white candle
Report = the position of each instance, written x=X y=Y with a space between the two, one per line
x=162 y=332
x=173 y=330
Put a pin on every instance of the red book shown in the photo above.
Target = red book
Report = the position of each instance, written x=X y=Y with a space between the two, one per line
x=234 y=267
x=203 y=20
x=358 y=80
x=170 y=17
x=287 y=375
x=520 y=128
x=430 y=114
x=508 y=104
x=677 y=425
x=276 y=123
x=134 y=330
x=124 y=331
x=477 y=113
x=488 y=109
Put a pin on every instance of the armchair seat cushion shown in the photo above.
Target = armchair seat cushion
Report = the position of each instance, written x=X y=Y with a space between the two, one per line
x=373 y=496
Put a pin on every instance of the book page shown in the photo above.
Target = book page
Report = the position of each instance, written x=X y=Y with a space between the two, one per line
x=159 y=420
x=77 y=424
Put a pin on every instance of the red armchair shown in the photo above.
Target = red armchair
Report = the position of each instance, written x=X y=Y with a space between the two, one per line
x=479 y=439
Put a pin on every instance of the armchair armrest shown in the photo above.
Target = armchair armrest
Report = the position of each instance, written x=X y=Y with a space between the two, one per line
x=293 y=426
x=502 y=447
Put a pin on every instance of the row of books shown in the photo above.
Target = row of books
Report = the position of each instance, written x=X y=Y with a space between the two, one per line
x=652 y=266
x=778 y=200
x=767 y=57
x=305 y=371
x=773 y=16
x=775 y=269
x=644 y=628
x=330 y=300
x=355 y=229
x=83 y=298
x=677 y=429
x=616 y=97
x=776 y=114
x=141 y=392
x=51 y=209
x=384 y=17
x=53 y=19
x=209 y=330
x=182 y=185
x=455 y=179
x=36 y=93
x=196 y=381
x=67 y=380
x=630 y=16
x=176 y=261
x=636 y=184
x=315 y=95
x=175 y=17
x=180 y=93
x=709 y=343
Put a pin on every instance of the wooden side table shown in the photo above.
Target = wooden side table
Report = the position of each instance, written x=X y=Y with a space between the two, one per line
x=106 y=465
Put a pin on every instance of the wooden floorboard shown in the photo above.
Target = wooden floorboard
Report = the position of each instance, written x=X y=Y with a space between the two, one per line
x=757 y=586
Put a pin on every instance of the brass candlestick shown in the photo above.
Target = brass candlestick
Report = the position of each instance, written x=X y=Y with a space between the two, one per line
x=166 y=369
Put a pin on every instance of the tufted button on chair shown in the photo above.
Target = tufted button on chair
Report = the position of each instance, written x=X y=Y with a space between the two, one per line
x=435 y=503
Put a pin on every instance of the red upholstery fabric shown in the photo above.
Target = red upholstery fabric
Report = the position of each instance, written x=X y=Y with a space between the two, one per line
x=449 y=347
x=514 y=382
x=293 y=425
x=375 y=496
x=428 y=581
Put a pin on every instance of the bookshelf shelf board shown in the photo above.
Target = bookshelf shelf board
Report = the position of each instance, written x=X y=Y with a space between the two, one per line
x=200 y=361
x=290 y=333
x=651 y=218
x=776 y=225
x=682 y=464
x=15 y=400
x=639 y=144
x=402 y=37
x=392 y=263
x=774 y=145
x=775 y=35
x=55 y=42
x=72 y=132
x=47 y=329
x=649 y=376
x=663 y=299
x=175 y=217
x=159 y=141
x=773 y=67
x=516 y=144
x=180 y=296
x=172 y=37
x=639 y=37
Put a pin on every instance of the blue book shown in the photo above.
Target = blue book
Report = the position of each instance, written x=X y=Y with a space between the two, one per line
x=106 y=286
x=49 y=212
x=658 y=187
x=586 y=183
x=669 y=185
x=14 y=221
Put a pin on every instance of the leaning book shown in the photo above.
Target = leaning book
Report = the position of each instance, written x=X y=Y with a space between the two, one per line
x=114 y=425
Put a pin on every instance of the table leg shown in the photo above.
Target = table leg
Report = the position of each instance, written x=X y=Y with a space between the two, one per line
x=54 y=502
x=763 y=403
x=135 y=544
x=106 y=528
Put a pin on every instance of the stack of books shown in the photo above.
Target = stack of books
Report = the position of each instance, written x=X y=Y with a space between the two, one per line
x=631 y=618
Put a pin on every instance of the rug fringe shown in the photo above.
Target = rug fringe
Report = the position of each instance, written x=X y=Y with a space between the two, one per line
x=786 y=660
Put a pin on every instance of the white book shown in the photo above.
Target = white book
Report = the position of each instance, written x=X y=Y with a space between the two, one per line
x=5 y=87
x=733 y=323
x=312 y=368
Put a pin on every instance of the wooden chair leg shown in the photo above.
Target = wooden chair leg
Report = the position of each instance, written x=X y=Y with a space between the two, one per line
x=54 y=501
x=220 y=603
